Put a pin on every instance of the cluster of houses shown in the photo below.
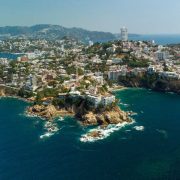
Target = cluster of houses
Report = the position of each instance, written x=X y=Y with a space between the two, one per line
x=158 y=57
x=47 y=64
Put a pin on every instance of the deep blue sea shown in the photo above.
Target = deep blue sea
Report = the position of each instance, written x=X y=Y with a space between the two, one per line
x=127 y=154
x=159 y=39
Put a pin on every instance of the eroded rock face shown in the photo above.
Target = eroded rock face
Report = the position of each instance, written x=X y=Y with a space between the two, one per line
x=37 y=108
x=47 y=112
x=101 y=119
x=95 y=134
x=89 y=119
x=2 y=93
x=114 y=116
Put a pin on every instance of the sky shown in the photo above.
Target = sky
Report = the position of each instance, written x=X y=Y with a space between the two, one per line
x=139 y=16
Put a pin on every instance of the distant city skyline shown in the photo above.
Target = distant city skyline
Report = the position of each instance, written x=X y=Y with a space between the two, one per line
x=140 y=17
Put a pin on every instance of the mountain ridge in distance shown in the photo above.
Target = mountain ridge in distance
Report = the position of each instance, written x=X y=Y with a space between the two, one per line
x=51 y=32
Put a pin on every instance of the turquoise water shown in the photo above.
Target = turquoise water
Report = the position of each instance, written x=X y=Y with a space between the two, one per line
x=10 y=55
x=127 y=154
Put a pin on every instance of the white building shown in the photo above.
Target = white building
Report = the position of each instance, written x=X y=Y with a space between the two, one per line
x=151 y=69
x=162 y=55
x=4 y=61
x=74 y=92
x=94 y=99
x=91 y=43
x=124 y=34
x=170 y=75
x=117 y=60
x=114 y=75
x=99 y=79
x=107 y=100
x=31 y=83
x=104 y=100
x=15 y=79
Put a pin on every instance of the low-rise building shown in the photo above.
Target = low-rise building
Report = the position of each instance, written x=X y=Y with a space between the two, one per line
x=151 y=69
x=94 y=99
x=107 y=100
x=170 y=75
x=31 y=83
x=103 y=100
x=162 y=55
x=114 y=75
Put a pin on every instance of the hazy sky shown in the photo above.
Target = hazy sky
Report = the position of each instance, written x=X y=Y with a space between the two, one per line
x=139 y=16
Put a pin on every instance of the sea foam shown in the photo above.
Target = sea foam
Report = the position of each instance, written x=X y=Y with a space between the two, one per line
x=139 y=128
x=102 y=132
x=46 y=135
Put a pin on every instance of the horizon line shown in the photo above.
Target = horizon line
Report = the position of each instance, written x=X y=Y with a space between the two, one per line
x=133 y=33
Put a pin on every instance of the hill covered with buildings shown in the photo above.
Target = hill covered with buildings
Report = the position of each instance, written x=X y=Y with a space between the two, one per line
x=66 y=76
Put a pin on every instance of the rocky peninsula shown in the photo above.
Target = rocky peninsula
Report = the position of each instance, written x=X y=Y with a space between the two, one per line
x=89 y=118
x=78 y=107
x=113 y=116
x=100 y=119
x=47 y=113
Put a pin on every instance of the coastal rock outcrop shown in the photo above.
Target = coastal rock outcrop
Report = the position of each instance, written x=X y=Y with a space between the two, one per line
x=89 y=119
x=2 y=93
x=153 y=82
x=47 y=112
x=105 y=118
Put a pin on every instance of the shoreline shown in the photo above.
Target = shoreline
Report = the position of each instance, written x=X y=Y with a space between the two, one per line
x=47 y=113
x=106 y=122
x=16 y=97
x=118 y=88
x=59 y=114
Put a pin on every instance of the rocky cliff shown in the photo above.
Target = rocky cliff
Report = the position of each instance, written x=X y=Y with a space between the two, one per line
x=47 y=112
x=114 y=116
x=151 y=82
x=86 y=118
x=8 y=91
x=2 y=92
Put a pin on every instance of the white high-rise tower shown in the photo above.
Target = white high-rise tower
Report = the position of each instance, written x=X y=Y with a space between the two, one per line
x=124 y=34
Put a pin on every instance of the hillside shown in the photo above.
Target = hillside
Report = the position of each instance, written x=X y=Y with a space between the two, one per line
x=46 y=31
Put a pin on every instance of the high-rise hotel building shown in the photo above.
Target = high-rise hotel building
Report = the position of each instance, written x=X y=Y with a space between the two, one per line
x=124 y=34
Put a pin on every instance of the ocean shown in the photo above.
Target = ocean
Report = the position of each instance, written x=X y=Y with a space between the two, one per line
x=10 y=55
x=148 y=149
x=151 y=152
x=159 y=39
